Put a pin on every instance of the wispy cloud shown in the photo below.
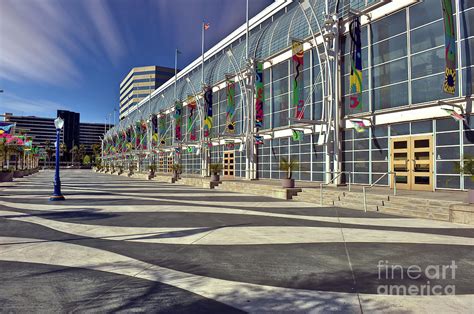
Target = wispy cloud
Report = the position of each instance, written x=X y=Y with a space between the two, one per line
x=46 y=40
x=35 y=107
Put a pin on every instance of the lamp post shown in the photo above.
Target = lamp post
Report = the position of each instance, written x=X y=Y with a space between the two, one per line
x=57 y=196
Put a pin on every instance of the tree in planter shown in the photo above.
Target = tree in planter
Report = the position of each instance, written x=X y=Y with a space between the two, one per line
x=131 y=169
x=215 y=169
x=86 y=160
x=177 y=169
x=81 y=152
x=467 y=168
x=288 y=166
x=152 y=168
x=96 y=151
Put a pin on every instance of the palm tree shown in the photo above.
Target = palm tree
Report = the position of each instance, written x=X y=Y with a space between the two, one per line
x=74 y=153
x=48 y=150
x=96 y=150
x=81 y=152
x=62 y=148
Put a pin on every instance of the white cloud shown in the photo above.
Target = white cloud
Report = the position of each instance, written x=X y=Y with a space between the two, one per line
x=46 y=40
x=31 y=107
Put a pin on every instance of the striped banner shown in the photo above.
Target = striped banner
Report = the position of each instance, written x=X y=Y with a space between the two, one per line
x=449 y=85
x=207 y=111
x=355 y=79
x=230 y=110
x=178 y=118
x=297 y=100
x=191 y=125
x=259 y=96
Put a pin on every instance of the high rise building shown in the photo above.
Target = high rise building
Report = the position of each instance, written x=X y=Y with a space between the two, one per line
x=139 y=83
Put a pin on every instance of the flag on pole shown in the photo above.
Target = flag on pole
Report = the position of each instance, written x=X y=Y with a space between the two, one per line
x=258 y=140
x=456 y=116
x=297 y=135
x=359 y=126
x=206 y=26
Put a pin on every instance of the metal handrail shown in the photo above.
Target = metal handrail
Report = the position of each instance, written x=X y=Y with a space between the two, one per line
x=332 y=180
x=364 y=188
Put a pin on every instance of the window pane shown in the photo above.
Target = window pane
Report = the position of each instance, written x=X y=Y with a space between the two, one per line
x=390 y=73
x=426 y=37
x=389 y=49
x=448 y=182
x=429 y=88
x=426 y=63
x=447 y=125
x=467 y=24
x=451 y=138
x=389 y=26
x=422 y=127
x=390 y=96
x=424 y=12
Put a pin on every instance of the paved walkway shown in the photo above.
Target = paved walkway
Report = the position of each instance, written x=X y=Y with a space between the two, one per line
x=121 y=244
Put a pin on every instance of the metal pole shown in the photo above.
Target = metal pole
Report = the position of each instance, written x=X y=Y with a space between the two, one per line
x=57 y=196
x=247 y=32
x=175 y=71
x=202 y=53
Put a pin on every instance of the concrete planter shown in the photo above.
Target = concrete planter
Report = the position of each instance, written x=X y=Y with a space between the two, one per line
x=470 y=196
x=18 y=174
x=288 y=183
x=215 y=177
x=6 y=176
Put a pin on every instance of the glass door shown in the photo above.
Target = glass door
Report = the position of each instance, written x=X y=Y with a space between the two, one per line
x=400 y=160
x=412 y=160
x=422 y=163
x=228 y=170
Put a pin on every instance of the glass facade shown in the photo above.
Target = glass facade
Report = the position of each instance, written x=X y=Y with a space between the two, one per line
x=403 y=64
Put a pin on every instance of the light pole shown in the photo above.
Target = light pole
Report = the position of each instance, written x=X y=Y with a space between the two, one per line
x=57 y=196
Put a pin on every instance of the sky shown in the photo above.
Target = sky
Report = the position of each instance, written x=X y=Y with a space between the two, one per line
x=73 y=54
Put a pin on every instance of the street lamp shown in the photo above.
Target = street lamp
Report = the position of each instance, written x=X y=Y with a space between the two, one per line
x=57 y=196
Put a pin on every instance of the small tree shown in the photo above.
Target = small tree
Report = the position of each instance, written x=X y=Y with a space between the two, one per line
x=62 y=149
x=74 y=153
x=48 y=150
x=96 y=151
x=82 y=152
x=86 y=160
x=467 y=167
x=288 y=166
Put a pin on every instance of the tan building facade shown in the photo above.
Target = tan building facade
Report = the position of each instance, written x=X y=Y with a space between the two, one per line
x=139 y=83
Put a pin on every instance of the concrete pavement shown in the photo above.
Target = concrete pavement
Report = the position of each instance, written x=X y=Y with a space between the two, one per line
x=124 y=244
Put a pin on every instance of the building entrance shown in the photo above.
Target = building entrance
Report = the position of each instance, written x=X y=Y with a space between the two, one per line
x=412 y=160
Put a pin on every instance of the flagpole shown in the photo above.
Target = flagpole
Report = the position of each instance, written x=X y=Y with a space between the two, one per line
x=175 y=71
x=202 y=53
x=247 y=33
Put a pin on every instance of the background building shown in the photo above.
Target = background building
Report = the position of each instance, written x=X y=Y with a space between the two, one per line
x=74 y=132
x=405 y=123
x=139 y=83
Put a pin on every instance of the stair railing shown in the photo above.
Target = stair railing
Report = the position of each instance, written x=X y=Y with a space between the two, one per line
x=321 y=185
x=364 y=188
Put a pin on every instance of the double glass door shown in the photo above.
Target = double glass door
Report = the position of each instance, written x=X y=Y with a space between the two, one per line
x=412 y=161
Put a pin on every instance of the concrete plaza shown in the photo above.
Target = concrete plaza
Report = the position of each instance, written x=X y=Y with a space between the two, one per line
x=122 y=244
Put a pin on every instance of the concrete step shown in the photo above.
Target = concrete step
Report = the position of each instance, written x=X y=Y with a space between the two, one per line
x=395 y=210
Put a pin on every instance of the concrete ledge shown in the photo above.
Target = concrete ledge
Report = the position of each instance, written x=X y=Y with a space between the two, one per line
x=462 y=213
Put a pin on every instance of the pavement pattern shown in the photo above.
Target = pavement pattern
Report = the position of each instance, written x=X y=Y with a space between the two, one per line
x=121 y=244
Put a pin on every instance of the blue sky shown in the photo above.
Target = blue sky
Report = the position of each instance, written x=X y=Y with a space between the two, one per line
x=72 y=54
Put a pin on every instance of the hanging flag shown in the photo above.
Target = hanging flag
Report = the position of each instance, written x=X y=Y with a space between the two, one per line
x=178 y=118
x=355 y=79
x=456 y=116
x=297 y=135
x=230 y=110
x=206 y=26
x=359 y=126
x=298 y=84
x=6 y=128
x=449 y=85
x=207 y=111
x=258 y=140
x=190 y=149
x=259 y=97
x=191 y=125
x=162 y=128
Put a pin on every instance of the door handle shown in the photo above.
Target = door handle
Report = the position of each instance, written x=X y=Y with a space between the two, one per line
x=414 y=165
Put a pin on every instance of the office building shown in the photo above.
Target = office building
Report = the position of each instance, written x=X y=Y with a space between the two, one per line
x=139 y=83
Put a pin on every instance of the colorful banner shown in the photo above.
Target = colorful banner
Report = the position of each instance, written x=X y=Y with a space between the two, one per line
x=297 y=101
x=355 y=79
x=178 y=120
x=6 y=128
x=207 y=111
x=259 y=96
x=143 y=134
x=154 y=131
x=297 y=135
x=230 y=110
x=449 y=85
x=191 y=117
x=456 y=116
x=359 y=126
x=162 y=129
x=258 y=140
